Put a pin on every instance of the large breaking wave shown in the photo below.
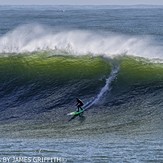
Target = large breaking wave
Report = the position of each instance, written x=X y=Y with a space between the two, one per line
x=43 y=70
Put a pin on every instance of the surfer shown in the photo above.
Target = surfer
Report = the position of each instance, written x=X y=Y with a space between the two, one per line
x=79 y=104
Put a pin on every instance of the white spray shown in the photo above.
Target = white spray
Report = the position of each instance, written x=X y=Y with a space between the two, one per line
x=33 y=38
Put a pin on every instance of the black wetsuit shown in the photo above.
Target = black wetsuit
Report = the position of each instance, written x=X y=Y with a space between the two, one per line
x=79 y=104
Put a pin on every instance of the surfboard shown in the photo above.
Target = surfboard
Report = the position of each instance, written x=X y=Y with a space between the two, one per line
x=76 y=112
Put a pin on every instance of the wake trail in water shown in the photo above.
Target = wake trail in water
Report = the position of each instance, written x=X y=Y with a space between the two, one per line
x=106 y=89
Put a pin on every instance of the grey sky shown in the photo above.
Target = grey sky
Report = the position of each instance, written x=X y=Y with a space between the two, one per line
x=80 y=2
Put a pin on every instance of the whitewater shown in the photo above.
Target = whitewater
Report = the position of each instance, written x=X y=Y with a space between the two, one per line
x=32 y=38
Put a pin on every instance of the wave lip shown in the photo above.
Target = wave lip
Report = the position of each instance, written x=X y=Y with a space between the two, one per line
x=32 y=38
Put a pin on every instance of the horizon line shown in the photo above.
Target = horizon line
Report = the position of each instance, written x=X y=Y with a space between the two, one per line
x=80 y=5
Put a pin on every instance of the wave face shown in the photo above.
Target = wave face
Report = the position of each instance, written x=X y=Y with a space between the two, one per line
x=31 y=75
x=35 y=83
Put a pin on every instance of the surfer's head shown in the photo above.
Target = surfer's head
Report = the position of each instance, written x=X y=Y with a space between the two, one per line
x=77 y=99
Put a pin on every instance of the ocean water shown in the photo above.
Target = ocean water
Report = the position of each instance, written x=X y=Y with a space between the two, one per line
x=111 y=57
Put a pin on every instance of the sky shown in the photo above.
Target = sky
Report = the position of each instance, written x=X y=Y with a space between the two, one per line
x=80 y=2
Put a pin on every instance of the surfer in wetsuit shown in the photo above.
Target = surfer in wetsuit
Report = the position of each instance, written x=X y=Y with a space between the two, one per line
x=79 y=104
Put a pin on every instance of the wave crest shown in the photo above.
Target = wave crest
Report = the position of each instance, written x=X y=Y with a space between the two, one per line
x=32 y=38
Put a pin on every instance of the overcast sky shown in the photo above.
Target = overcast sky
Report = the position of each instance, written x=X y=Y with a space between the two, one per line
x=80 y=2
